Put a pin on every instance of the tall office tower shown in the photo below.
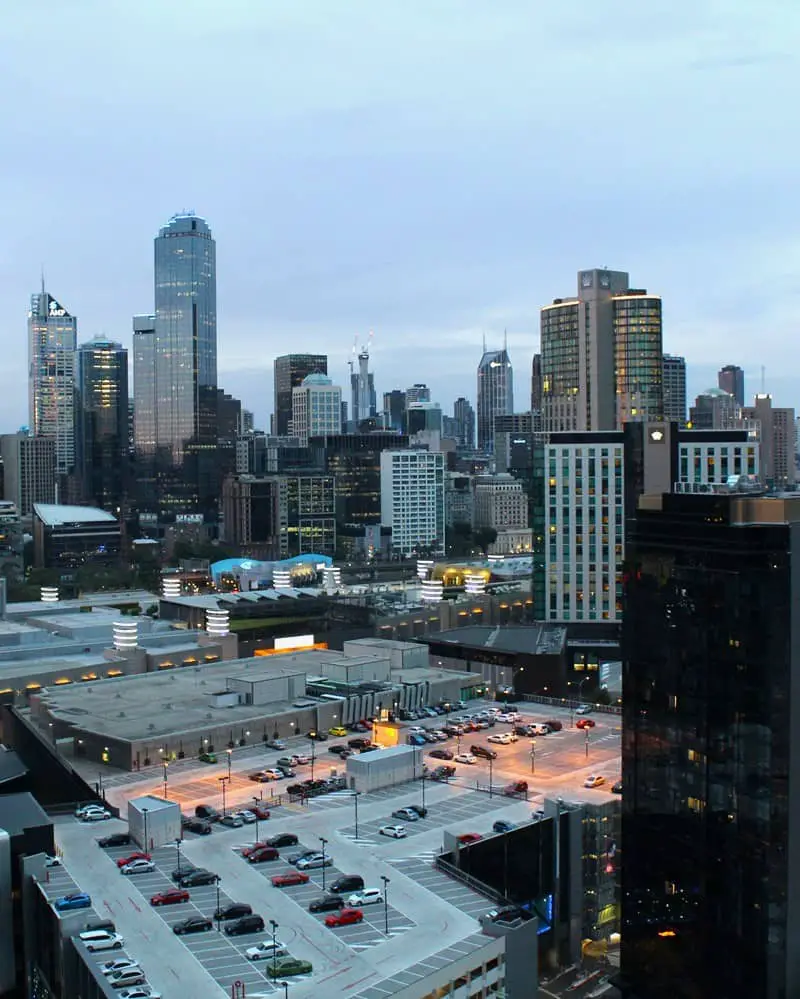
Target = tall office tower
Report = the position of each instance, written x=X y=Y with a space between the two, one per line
x=316 y=408
x=290 y=370
x=246 y=423
x=101 y=424
x=229 y=418
x=144 y=415
x=601 y=356
x=412 y=500
x=52 y=340
x=362 y=386
x=775 y=429
x=731 y=379
x=536 y=383
x=394 y=409
x=710 y=748
x=29 y=470
x=418 y=392
x=186 y=368
x=464 y=416
x=674 y=379
x=495 y=394
x=422 y=416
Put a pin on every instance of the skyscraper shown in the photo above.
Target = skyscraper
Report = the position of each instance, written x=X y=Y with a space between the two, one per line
x=495 y=393
x=186 y=366
x=412 y=500
x=731 y=379
x=394 y=409
x=710 y=749
x=52 y=340
x=316 y=408
x=101 y=424
x=362 y=385
x=675 y=389
x=144 y=413
x=419 y=392
x=536 y=383
x=601 y=356
x=29 y=467
x=290 y=370
x=464 y=416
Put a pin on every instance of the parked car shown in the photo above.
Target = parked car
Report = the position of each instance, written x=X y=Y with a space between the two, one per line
x=84 y=810
x=138 y=867
x=261 y=855
x=231 y=821
x=170 y=896
x=338 y=731
x=500 y=739
x=369 y=749
x=198 y=877
x=312 y=863
x=347 y=883
x=199 y=826
x=317 y=736
x=133 y=856
x=420 y=810
x=594 y=780
x=246 y=924
x=328 y=903
x=484 y=752
x=503 y=826
x=265 y=776
x=183 y=871
x=293 y=859
x=289 y=879
x=554 y=724
x=287 y=772
x=194 y=924
x=442 y=773
x=285 y=967
x=466 y=758
x=246 y=816
x=101 y=924
x=517 y=787
x=341 y=751
x=395 y=832
x=75 y=900
x=115 y=839
x=344 y=917
x=207 y=812
x=584 y=723
x=283 y=839
x=207 y=757
x=275 y=744
x=233 y=910
x=441 y=754
x=538 y=729
x=123 y=979
x=50 y=861
x=120 y=964
x=94 y=815
x=359 y=742
x=140 y=992
x=583 y=709
x=260 y=812
x=616 y=787
x=407 y=814
x=266 y=950
x=103 y=940
x=466 y=838
x=367 y=896
x=300 y=759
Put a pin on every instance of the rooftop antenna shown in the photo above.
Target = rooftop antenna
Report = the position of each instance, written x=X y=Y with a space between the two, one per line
x=484 y=341
x=763 y=379
x=43 y=291
x=505 y=340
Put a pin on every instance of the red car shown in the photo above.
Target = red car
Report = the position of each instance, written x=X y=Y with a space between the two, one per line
x=260 y=812
x=344 y=917
x=170 y=897
x=518 y=787
x=261 y=854
x=584 y=723
x=292 y=878
x=134 y=856
x=466 y=838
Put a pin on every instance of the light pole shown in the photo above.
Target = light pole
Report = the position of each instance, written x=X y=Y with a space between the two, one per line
x=255 y=803
x=355 y=803
x=385 y=903
x=274 y=926
x=491 y=762
x=586 y=730
x=571 y=708
x=324 y=843
x=218 y=879
x=230 y=754
x=178 y=853
x=533 y=756
x=424 y=809
x=165 y=777
x=313 y=757
x=224 y=782
x=100 y=787
x=144 y=816
x=285 y=987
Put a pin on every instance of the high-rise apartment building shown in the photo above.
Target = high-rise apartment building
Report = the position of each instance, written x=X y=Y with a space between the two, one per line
x=715 y=409
x=412 y=500
x=102 y=463
x=362 y=386
x=601 y=356
x=501 y=503
x=775 y=428
x=290 y=370
x=710 y=748
x=29 y=470
x=464 y=415
x=316 y=408
x=422 y=416
x=731 y=379
x=144 y=385
x=495 y=394
x=52 y=341
x=418 y=392
x=674 y=379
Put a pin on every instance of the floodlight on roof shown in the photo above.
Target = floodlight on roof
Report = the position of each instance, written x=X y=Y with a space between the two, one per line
x=432 y=590
x=126 y=634
x=217 y=622
x=170 y=587
x=49 y=594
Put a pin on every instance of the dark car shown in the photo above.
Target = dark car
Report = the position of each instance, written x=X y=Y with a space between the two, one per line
x=521 y=730
x=441 y=754
x=247 y=924
x=101 y=924
x=503 y=826
x=296 y=790
x=553 y=724
x=328 y=903
x=368 y=749
x=207 y=812
x=194 y=924
x=317 y=736
x=443 y=773
x=287 y=771
x=199 y=826
x=283 y=839
x=617 y=787
x=347 y=883
x=420 y=810
x=359 y=743
x=484 y=752
x=196 y=878
x=115 y=839
x=233 y=911
x=342 y=751
x=181 y=872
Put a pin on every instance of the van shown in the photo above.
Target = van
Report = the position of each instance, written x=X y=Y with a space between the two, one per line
x=101 y=940
x=482 y=751
x=347 y=883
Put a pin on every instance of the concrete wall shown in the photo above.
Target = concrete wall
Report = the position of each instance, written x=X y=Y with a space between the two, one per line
x=384 y=768
x=163 y=821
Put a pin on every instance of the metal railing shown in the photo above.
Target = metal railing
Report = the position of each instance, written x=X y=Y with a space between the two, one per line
x=466 y=879
x=568 y=702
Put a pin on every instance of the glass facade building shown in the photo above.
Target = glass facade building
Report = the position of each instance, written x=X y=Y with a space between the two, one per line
x=711 y=704
x=495 y=394
x=289 y=372
x=638 y=358
x=101 y=424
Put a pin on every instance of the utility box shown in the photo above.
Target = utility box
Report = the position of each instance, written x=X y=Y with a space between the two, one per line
x=154 y=822
x=383 y=768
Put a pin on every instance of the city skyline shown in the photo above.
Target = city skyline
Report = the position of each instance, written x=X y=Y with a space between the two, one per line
x=366 y=226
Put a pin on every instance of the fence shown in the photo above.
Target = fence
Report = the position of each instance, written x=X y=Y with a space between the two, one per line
x=566 y=702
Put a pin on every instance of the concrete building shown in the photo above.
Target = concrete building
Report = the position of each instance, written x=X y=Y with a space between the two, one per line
x=316 y=408
x=776 y=434
x=731 y=380
x=601 y=356
x=289 y=372
x=459 y=499
x=11 y=542
x=421 y=416
x=495 y=394
x=508 y=429
x=674 y=379
x=412 y=500
x=66 y=537
x=500 y=502
x=393 y=765
x=29 y=465
x=715 y=409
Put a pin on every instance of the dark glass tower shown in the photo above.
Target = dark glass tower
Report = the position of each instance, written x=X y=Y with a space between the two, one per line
x=101 y=424
x=711 y=743
x=290 y=370
x=495 y=394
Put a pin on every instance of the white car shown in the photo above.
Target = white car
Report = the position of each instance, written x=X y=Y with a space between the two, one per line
x=417 y=729
x=52 y=861
x=396 y=832
x=123 y=979
x=121 y=964
x=138 y=867
x=246 y=816
x=465 y=758
x=367 y=896
x=309 y=863
x=274 y=773
x=300 y=759
x=266 y=949
x=503 y=716
x=92 y=813
x=103 y=940
x=80 y=812
x=140 y=992
x=594 y=780
x=583 y=709
x=502 y=739
x=539 y=729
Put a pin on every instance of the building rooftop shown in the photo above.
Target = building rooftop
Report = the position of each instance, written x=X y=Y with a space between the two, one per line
x=536 y=639
x=19 y=812
x=58 y=514
x=11 y=766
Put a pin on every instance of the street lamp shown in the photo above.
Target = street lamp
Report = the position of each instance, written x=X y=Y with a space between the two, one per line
x=424 y=810
x=218 y=879
x=178 y=854
x=313 y=757
x=491 y=762
x=586 y=730
x=166 y=764
x=255 y=804
x=230 y=754
x=144 y=816
x=274 y=926
x=285 y=987
x=571 y=708
x=355 y=802
x=385 y=903
x=324 y=843
x=224 y=782
x=533 y=756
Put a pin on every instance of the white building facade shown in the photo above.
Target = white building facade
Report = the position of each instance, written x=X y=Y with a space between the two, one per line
x=412 y=500
x=316 y=408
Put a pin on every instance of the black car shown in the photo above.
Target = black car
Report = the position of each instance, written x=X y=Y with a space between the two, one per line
x=441 y=754
x=420 y=810
x=247 y=924
x=359 y=743
x=318 y=736
x=287 y=771
x=283 y=839
x=198 y=877
x=194 y=924
x=617 y=787
x=295 y=789
x=369 y=749
x=207 y=812
x=340 y=750
x=347 y=883
x=181 y=872
x=483 y=752
x=328 y=903
x=115 y=839
x=199 y=826
x=233 y=911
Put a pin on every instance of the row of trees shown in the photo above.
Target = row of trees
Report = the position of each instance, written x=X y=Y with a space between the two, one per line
x=463 y=539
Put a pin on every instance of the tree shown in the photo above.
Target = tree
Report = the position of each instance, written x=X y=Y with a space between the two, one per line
x=602 y=696
x=484 y=538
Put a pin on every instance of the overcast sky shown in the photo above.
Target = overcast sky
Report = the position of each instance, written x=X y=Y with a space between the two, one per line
x=434 y=170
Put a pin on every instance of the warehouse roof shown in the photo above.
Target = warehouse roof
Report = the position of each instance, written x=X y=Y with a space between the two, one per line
x=59 y=514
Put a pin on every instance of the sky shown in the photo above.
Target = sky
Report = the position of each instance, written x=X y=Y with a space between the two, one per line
x=431 y=170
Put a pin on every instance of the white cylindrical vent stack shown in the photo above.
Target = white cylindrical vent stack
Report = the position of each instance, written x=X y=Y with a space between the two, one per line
x=218 y=622
x=475 y=584
x=282 y=579
x=170 y=587
x=332 y=578
x=49 y=594
x=424 y=567
x=126 y=635
x=432 y=590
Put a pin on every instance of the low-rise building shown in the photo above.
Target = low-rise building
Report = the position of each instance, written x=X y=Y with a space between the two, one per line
x=71 y=536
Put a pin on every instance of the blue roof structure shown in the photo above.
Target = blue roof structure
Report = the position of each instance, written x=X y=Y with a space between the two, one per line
x=234 y=565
